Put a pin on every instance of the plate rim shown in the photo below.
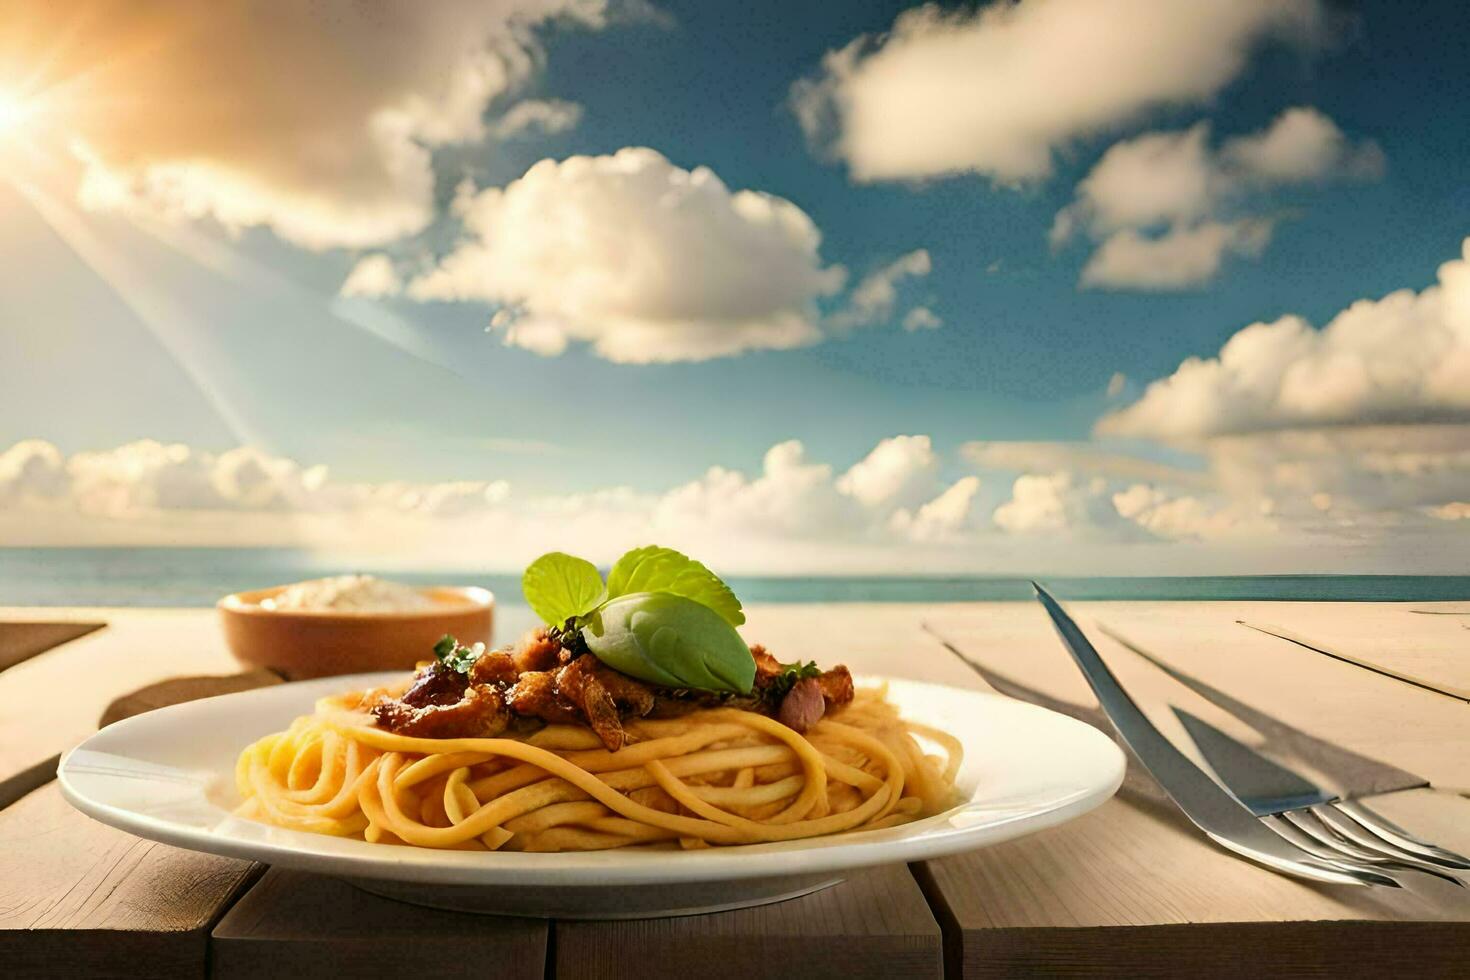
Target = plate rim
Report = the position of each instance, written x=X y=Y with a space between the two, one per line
x=837 y=853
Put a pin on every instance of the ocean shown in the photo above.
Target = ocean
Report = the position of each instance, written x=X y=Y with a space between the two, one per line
x=198 y=576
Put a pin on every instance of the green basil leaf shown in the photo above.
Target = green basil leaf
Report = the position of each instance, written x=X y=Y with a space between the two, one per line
x=655 y=569
x=670 y=640
x=558 y=587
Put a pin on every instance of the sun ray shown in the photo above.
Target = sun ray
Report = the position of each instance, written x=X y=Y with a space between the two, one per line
x=170 y=326
x=369 y=317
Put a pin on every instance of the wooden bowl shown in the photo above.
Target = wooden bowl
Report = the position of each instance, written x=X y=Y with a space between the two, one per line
x=303 y=643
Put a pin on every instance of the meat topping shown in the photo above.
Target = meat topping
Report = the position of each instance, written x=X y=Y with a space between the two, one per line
x=836 y=685
x=494 y=667
x=535 y=695
x=543 y=680
x=803 y=705
x=479 y=713
x=537 y=651
x=436 y=684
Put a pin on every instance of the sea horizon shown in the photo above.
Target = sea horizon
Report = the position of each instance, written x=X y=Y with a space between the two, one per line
x=193 y=577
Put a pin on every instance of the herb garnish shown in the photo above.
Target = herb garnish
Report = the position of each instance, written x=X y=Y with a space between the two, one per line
x=661 y=617
x=565 y=590
x=455 y=655
x=790 y=674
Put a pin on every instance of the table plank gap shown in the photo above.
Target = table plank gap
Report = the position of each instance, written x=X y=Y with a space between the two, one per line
x=1380 y=663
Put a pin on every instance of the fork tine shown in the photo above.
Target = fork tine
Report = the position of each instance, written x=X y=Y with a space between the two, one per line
x=1307 y=864
x=1345 y=826
x=1211 y=808
x=1399 y=837
x=1309 y=823
x=1297 y=837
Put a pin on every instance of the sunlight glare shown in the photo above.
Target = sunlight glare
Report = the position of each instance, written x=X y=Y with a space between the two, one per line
x=15 y=112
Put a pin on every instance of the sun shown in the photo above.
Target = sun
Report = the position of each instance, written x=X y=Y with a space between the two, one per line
x=15 y=112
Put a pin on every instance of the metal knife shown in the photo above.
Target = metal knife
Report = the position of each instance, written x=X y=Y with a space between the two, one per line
x=1212 y=809
x=1262 y=785
x=1271 y=790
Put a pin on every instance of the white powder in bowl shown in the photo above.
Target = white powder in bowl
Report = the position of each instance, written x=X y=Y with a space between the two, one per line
x=349 y=593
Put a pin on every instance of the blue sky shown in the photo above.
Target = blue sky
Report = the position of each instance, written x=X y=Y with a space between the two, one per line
x=1024 y=352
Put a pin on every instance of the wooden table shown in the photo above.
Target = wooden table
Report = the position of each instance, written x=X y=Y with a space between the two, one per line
x=1130 y=889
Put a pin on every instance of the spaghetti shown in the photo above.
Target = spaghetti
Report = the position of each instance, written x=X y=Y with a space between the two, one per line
x=718 y=776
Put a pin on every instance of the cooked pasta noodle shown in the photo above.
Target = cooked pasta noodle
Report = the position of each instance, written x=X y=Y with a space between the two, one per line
x=714 y=777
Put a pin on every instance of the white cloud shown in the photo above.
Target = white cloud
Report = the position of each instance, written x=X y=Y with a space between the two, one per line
x=315 y=120
x=1166 y=207
x=545 y=116
x=1404 y=358
x=1302 y=144
x=147 y=477
x=1083 y=458
x=32 y=469
x=1169 y=516
x=998 y=90
x=1149 y=179
x=921 y=318
x=1320 y=502
x=1180 y=258
x=175 y=494
x=899 y=472
x=874 y=298
x=792 y=495
x=373 y=277
x=1057 y=502
x=1392 y=471
x=640 y=258
x=1071 y=506
x=945 y=517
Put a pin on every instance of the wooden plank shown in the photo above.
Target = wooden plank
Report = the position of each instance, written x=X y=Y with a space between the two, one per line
x=1131 y=889
x=1332 y=701
x=875 y=924
x=1392 y=637
x=1227 y=950
x=1386 y=662
x=23 y=640
x=78 y=898
x=295 y=924
x=1352 y=773
x=53 y=700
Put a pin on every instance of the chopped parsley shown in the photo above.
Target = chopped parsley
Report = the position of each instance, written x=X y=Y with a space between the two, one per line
x=791 y=673
x=455 y=655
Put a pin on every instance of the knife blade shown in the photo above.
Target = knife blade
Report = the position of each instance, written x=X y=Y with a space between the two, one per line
x=1353 y=774
x=1272 y=790
x=1225 y=819
x=1261 y=784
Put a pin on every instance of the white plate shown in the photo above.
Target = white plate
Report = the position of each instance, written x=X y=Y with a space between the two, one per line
x=168 y=775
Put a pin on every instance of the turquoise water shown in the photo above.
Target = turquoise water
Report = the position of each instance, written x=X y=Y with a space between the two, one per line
x=199 y=576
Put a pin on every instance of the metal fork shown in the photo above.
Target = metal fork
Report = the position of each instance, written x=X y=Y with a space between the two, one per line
x=1308 y=815
x=1220 y=815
